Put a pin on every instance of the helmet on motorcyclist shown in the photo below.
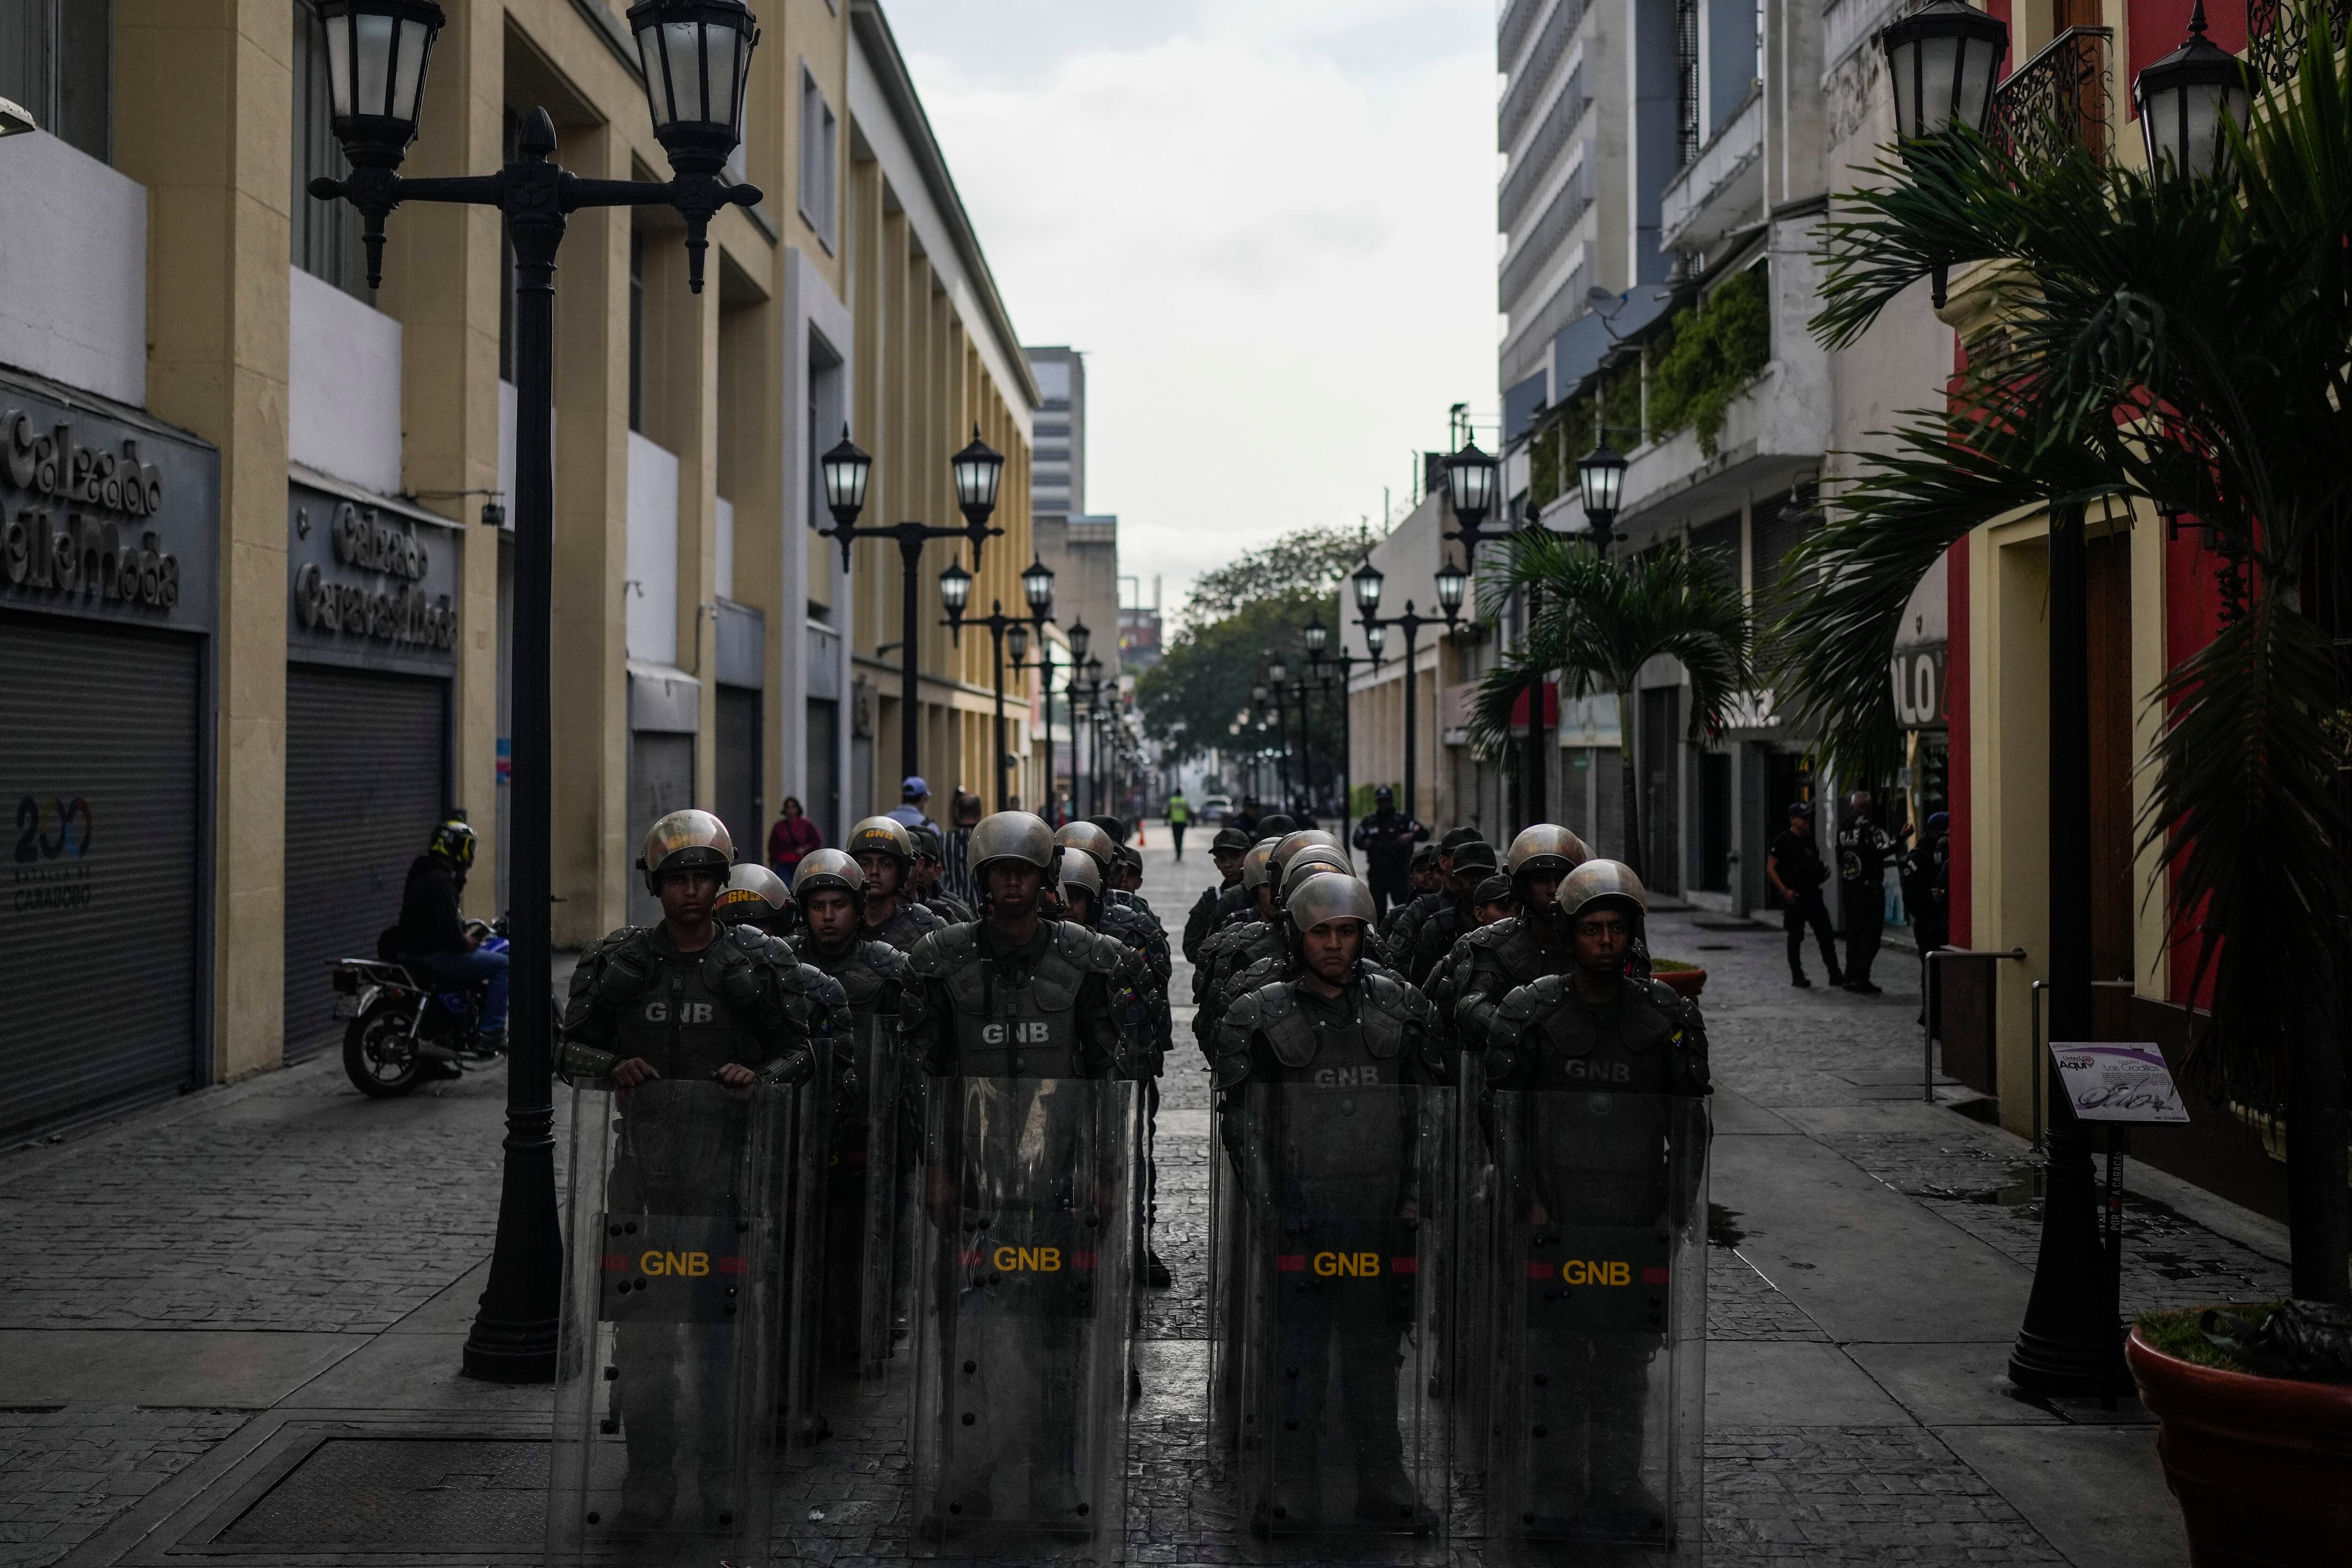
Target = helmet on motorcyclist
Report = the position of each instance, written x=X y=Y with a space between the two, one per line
x=685 y=841
x=454 y=842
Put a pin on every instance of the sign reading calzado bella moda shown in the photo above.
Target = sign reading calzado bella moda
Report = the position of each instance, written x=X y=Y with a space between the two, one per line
x=374 y=585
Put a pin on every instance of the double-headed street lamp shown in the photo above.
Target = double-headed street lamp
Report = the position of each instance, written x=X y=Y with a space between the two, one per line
x=1330 y=668
x=1289 y=693
x=696 y=55
x=1092 y=684
x=1038 y=587
x=1452 y=582
x=977 y=469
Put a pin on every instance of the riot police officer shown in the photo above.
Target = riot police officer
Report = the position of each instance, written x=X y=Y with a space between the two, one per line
x=1435 y=937
x=885 y=851
x=1404 y=932
x=1387 y=838
x=1493 y=960
x=756 y=895
x=930 y=871
x=686 y=1002
x=1020 y=1000
x=1322 y=1169
x=1214 y=904
x=1609 y=1055
x=869 y=1105
x=1259 y=948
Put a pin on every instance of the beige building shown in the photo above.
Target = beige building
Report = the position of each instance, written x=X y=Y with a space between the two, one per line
x=253 y=539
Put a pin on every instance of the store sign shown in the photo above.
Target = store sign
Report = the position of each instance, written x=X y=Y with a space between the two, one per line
x=80 y=516
x=369 y=583
x=2126 y=1083
x=1918 y=676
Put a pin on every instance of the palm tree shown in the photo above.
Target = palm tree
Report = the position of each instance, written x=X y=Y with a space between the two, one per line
x=1598 y=621
x=2182 y=342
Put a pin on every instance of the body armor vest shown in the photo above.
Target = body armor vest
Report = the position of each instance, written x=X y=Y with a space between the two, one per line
x=1016 y=1018
x=683 y=1018
x=910 y=923
x=1339 y=1136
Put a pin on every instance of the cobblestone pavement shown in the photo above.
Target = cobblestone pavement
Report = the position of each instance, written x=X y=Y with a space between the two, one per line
x=312 y=1251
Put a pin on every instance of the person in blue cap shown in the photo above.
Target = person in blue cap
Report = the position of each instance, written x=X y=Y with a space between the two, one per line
x=914 y=797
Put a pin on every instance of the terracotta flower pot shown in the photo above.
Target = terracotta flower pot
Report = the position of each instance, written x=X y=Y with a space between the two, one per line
x=2262 y=1465
x=1685 y=983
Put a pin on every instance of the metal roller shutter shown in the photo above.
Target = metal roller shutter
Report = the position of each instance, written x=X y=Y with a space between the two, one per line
x=365 y=782
x=661 y=780
x=98 y=771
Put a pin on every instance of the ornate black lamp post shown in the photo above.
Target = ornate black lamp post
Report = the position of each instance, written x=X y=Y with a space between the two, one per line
x=1944 y=60
x=1600 y=483
x=955 y=592
x=1093 y=710
x=1331 y=669
x=695 y=55
x=1470 y=477
x=2184 y=98
x=1368 y=582
x=977 y=469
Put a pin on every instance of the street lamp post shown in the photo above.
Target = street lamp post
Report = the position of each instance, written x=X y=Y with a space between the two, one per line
x=1943 y=61
x=955 y=592
x=1600 y=484
x=1326 y=663
x=1368 y=582
x=1093 y=796
x=695 y=55
x=977 y=469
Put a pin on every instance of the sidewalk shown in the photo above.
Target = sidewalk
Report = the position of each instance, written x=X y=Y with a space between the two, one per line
x=232 y=1325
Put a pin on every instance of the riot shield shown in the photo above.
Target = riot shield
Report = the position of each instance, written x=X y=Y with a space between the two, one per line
x=1228 y=1273
x=807 y=1208
x=881 y=1068
x=1599 y=1393
x=1019 y=1441
x=665 y=1386
x=1345 y=1199
x=1470 y=1267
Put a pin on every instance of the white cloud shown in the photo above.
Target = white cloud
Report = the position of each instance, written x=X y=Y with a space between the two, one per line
x=1270 y=228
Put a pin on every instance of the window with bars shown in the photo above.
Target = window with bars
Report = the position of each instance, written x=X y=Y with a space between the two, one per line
x=325 y=236
x=1685 y=82
x=57 y=62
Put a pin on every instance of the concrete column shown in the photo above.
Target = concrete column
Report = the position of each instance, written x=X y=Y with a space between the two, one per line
x=218 y=182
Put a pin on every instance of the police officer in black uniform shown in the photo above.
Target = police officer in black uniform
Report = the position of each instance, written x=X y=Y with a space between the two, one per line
x=1796 y=871
x=1387 y=838
x=883 y=1003
x=1406 y=929
x=1015 y=995
x=1628 y=1045
x=1336 y=1026
x=885 y=851
x=1863 y=850
x=684 y=1002
x=1211 y=908
x=1451 y=920
x=1492 y=960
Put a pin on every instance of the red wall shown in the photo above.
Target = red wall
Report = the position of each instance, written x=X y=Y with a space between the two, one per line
x=1955 y=696
x=2154 y=28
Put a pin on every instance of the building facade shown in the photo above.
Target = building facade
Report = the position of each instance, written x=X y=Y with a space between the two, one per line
x=260 y=511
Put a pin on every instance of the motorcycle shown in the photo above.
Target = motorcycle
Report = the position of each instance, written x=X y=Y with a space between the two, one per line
x=403 y=1027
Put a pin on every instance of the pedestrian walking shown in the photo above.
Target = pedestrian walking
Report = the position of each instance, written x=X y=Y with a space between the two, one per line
x=1180 y=813
x=792 y=837
x=1796 y=871
x=1862 y=847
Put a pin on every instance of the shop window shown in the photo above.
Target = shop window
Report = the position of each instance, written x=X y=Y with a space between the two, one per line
x=57 y=60
x=325 y=234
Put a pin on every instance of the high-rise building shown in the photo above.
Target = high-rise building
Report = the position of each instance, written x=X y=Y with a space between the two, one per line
x=1059 y=486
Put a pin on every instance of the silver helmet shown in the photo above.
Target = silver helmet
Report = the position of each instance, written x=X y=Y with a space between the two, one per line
x=823 y=868
x=682 y=841
x=1312 y=861
x=753 y=893
x=1253 y=864
x=1599 y=884
x=1087 y=836
x=1322 y=899
x=1545 y=846
x=882 y=836
x=1080 y=871
x=1290 y=844
x=1011 y=836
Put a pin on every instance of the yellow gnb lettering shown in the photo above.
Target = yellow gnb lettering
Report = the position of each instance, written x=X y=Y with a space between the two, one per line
x=1595 y=1271
x=685 y=1265
x=1027 y=1260
x=1352 y=1265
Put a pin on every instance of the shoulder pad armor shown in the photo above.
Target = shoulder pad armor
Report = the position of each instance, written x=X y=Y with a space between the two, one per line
x=1090 y=950
x=886 y=961
x=1495 y=935
x=941 y=952
x=1290 y=1035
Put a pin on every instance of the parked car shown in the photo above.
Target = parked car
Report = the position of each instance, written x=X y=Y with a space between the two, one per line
x=1216 y=808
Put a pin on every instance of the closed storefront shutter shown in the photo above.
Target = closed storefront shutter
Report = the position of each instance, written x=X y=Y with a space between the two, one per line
x=365 y=780
x=98 y=957
x=739 y=803
x=661 y=780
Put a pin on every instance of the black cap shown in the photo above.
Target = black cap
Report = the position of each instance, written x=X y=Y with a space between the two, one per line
x=1493 y=891
x=1801 y=808
x=1476 y=854
x=1113 y=826
x=1232 y=839
x=1276 y=825
x=1385 y=792
x=1456 y=837
x=1424 y=854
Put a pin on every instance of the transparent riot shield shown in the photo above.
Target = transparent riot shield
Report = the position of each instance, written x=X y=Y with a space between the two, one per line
x=1019 y=1440
x=1345 y=1199
x=1600 y=1325
x=1470 y=1268
x=664 y=1391
x=807 y=1208
x=881 y=1066
x=1228 y=1273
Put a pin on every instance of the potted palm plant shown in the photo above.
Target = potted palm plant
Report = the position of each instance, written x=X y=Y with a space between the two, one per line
x=2180 y=344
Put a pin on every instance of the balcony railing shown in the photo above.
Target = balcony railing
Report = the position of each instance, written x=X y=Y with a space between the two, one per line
x=2277 y=30
x=2058 y=98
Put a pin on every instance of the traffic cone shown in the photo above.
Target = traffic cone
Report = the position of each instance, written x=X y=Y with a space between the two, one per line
x=1138 y=832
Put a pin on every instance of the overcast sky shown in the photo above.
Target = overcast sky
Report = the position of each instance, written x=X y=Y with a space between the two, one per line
x=1268 y=224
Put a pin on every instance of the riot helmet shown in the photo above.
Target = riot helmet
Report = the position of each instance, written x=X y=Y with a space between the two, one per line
x=1603 y=884
x=1089 y=838
x=453 y=842
x=1292 y=843
x=1314 y=860
x=1544 y=847
x=1011 y=836
x=926 y=841
x=883 y=835
x=753 y=894
x=1254 y=872
x=1322 y=899
x=686 y=841
x=1080 y=871
x=823 y=868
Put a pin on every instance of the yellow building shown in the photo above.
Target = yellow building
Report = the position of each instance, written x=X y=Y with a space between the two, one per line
x=253 y=539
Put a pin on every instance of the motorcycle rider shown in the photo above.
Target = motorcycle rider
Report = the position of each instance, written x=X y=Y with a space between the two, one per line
x=758 y=895
x=1863 y=850
x=431 y=935
x=884 y=1003
x=1495 y=960
x=1473 y=863
x=1335 y=1024
x=1016 y=996
x=930 y=869
x=1210 y=909
x=1597 y=1031
x=885 y=851
x=1387 y=837
x=686 y=1000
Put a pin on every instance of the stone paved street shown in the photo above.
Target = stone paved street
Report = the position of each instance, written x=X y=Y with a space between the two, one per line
x=216 y=1307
